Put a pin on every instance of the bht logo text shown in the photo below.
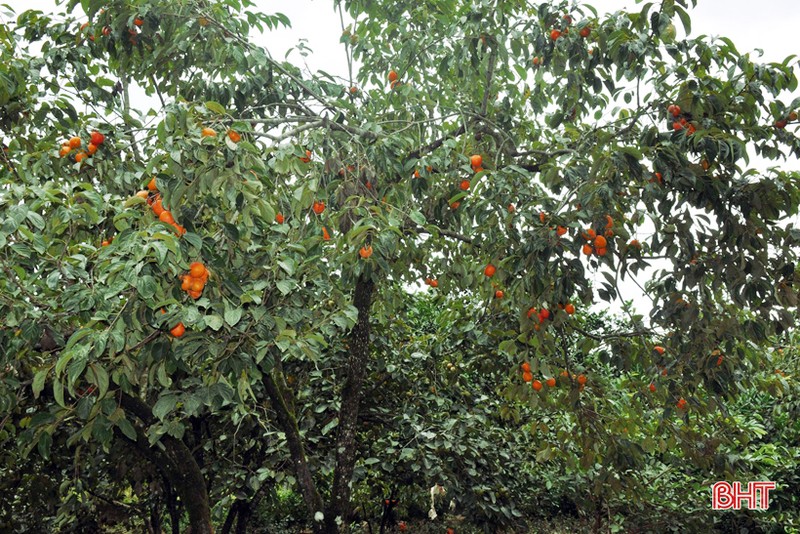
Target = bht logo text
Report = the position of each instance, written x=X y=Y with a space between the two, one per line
x=725 y=496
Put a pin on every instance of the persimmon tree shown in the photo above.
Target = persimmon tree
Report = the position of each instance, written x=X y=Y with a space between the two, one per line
x=612 y=155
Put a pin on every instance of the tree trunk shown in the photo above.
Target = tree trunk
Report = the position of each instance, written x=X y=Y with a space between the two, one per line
x=178 y=465
x=287 y=422
x=230 y=518
x=346 y=445
x=243 y=517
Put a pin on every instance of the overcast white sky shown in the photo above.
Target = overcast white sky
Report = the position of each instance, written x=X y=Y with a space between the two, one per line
x=768 y=24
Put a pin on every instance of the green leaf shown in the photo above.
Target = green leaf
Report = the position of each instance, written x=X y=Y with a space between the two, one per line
x=164 y=405
x=232 y=315
x=39 y=380
x=146 y=285
x=127 y=428
x=213 y=321
x=100 y=377
x=330 y=426
x=215 y=107
x=286 y=286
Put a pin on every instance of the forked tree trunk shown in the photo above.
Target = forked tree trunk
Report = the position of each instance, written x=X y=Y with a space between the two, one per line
x=178 y=465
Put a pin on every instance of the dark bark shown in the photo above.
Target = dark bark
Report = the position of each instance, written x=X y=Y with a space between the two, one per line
x=179 y=466
x=286 y=420
x=346 y=444
x=154 y=523
x=230 y=518
x=243 y=517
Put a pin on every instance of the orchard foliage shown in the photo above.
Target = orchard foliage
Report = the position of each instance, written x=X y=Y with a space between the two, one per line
x=614 y=155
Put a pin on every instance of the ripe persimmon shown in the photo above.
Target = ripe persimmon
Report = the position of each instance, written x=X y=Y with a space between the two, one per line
x=681 y=404
x=80 y=156
x=208 y=132
x=526 y=367
x=581 y=379
x=279 y=218
x=365 y=251
x=527 y=376
x=476 y=160
x=151 y=185
x=652 y=387
x=570 y=309
x=158 y=208
x=499 y=294
x=75 y=142
x=166 y=217
x=659 y=349
x=97 y=138
x=325 y=235
x=234 y=136
x=537 y=385
x=392 y=76
x=197 y=269
x=178 y=330
x=64 y=151
x=489 y=270
x=585 y=31
x=555 y=34
x=194 y=294
x=602 y=251
x=561 y=230
x=464 y=185
x=600 y=242
x=307 y=157
x=587 y=249
x=551 y=382
x=91 y=149
x=318 y=207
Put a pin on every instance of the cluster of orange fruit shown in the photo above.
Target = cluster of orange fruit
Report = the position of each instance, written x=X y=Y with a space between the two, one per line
x=598 y=243
x=542 y=315
x=153 y=198
x=555 y=34
x=74 y=143
x=433 y=282
x=195 y=280
x=527 y=376
x=233 y=135
x=476 y=162
x=680 y=122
